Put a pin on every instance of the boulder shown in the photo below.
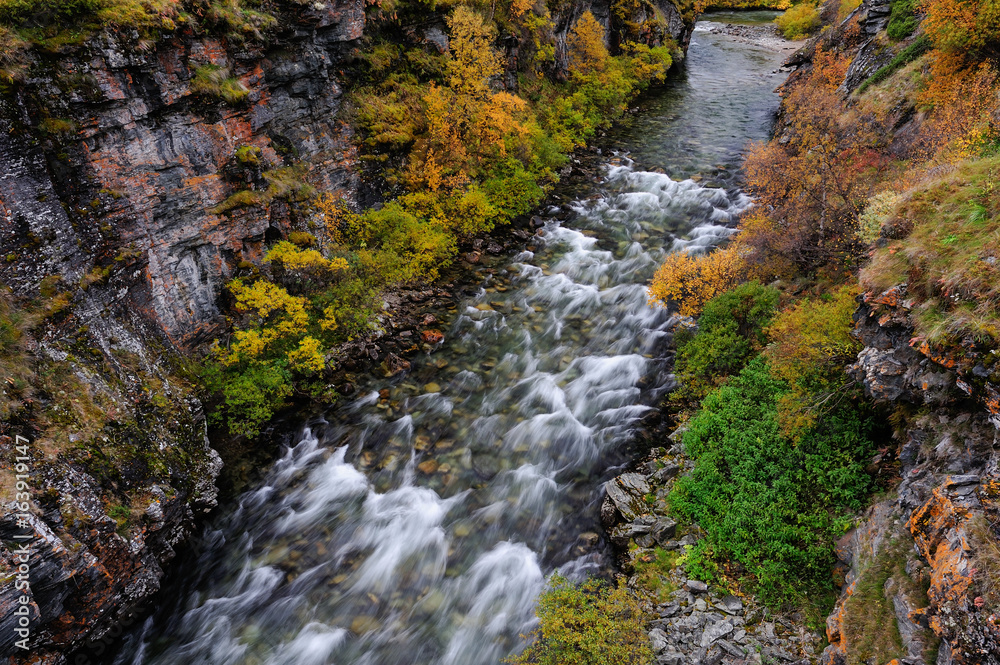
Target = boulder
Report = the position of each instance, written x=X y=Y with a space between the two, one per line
x=715 y=631
x=663 y=531
x=628 y=492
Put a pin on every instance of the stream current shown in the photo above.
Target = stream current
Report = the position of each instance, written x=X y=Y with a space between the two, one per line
x=419 y=527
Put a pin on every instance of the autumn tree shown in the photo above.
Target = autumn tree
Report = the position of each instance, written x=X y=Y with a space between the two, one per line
x=812 y=185
x=474 y=59
x=687 y=281
x=970 y=28
x=963 y=82
x=585 y=46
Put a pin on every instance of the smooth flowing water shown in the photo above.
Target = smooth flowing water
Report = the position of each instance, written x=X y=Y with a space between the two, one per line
x=418 y=525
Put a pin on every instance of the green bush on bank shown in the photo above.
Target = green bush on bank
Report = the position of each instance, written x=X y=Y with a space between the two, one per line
x=730 y=333
x=767 y=503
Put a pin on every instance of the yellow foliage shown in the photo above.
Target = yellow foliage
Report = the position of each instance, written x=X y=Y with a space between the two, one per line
x=440 y=158
x=248 y=344
x=308 y=357
x=474 y=60
x=329 y=321
x=264 y=298
x=585 y=45
x=811 y=344
x=520 y=7
x=343 y=225
x=689 y=281
x=499 y=119
x=295 y=258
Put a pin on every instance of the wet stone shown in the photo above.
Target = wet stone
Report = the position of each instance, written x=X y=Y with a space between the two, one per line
x=627 y=492
x=364 y=624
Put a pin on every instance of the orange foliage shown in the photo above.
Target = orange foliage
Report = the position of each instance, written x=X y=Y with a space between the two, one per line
x=813 y=184
x=468 y=125
x=689 y=281
x=439 y=158
x=963 y=98
x=967 y=28
x=585 y=46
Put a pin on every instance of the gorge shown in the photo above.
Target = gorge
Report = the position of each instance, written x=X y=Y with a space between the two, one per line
x=328 y=333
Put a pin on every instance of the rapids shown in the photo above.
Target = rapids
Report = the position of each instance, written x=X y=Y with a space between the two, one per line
x=420 y=528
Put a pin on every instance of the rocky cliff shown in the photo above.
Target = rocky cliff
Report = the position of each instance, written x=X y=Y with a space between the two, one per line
x=113 y=160
x=125 y=167
x=923 y=559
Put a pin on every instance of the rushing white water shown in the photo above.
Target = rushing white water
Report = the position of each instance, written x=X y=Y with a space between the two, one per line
x=420 y=528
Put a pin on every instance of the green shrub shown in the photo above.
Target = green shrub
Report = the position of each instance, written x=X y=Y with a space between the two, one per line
x=812 y=344
x=798 y=22
x=903 y=58
x=730 y=333
x=251 y=394
x=768 y=504
x=239 y=22
x=903 y=19
x=57 y=126
x=248 y=154
x=214 y=81
x=587 y=624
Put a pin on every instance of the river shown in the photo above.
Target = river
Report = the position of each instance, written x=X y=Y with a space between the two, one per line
x=417 y=525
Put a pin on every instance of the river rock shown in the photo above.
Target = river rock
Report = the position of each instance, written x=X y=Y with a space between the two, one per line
x=432 y=336
x=663 y=531
x=671 y=658
x=730 y=605
x=658 y=640
x=393 y=365
x=363 y=624
x=628 y=492
x=714 y=631
x=668 y=472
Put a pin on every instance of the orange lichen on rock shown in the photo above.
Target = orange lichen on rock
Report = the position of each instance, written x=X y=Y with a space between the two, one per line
x=837 y=651
x=939 y=533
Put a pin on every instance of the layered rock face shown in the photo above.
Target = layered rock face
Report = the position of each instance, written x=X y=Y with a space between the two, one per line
x=923 y=558
x=148 y=161
x=111 y=208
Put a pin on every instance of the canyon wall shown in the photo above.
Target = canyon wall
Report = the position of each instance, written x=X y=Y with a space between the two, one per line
x=121 y=220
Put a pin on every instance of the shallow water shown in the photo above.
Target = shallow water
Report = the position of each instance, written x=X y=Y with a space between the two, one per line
x=420 y=527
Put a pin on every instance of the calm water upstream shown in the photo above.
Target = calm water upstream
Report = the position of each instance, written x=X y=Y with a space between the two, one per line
x=419 y=529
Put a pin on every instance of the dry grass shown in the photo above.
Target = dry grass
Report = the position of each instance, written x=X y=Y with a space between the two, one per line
x=950 y=260
x=215 y=81
x=985 y=562
x=870 y=628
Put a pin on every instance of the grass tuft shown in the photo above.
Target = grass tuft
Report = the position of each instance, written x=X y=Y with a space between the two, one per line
x=215 y=81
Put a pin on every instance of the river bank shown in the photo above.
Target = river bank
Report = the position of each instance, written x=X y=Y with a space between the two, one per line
x=478 y=469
